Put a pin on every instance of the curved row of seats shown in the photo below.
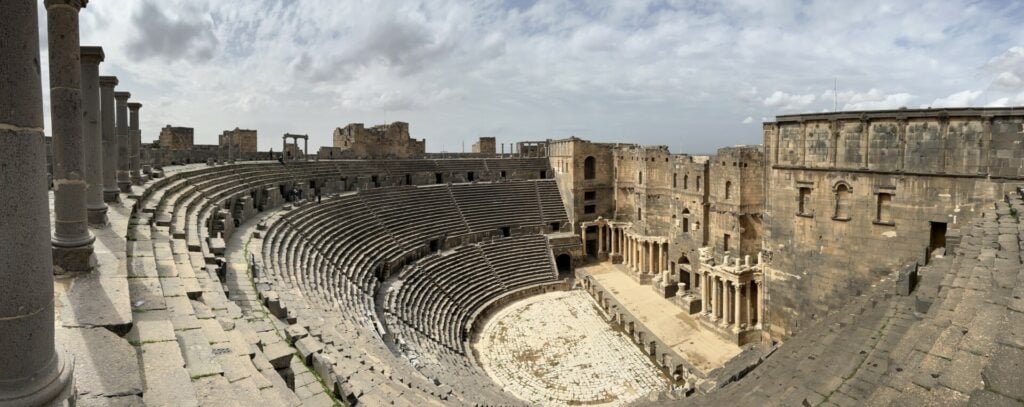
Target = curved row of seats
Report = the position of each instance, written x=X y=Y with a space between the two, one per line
x=176 y=270
x=329 y=259
x=439 y=294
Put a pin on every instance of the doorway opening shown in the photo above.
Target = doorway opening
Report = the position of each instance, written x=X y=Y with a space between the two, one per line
x=938 y=237
x=564 y=264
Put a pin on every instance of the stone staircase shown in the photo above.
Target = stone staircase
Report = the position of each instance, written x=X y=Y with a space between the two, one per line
x=195 y=345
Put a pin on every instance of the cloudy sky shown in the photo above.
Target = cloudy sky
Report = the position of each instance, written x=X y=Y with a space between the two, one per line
x=694 y=75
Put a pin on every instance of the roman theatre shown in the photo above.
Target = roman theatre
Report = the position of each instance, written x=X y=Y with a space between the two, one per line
x=852 y=258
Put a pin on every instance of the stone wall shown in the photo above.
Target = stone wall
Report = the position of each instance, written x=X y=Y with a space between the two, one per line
x=383 y=141
x=586 y=195
x=852 y=196
x=486 y=145
x=176 y=138
x=678 y=196
x=244 y=140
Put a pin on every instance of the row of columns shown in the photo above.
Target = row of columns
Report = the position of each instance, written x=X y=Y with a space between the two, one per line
x=645 y=256
x=92 y=159
x=735 y=304
x=642 y=255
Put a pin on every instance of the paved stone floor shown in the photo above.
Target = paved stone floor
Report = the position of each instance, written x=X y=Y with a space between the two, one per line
x=556 y=349
x=704 y=349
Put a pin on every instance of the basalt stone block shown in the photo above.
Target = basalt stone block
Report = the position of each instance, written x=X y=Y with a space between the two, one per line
x=906 y=279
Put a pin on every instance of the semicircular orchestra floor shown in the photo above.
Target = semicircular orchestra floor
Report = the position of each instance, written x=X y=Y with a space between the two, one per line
x=556 y=349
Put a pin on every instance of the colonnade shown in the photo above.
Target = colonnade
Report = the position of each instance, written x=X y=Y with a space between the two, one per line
x=642 y=254
x=731 y=300
x=34 y=368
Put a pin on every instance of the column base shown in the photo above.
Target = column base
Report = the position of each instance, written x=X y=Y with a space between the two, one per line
x=97 y=216
x=111 y=195
x=124 y=186
x=60 y=391
x=137 y=179
x=77 y=259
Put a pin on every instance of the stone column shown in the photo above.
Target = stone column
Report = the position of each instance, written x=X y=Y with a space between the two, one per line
x=758 y=304
x=96 y=209
x=33 y=371
x=600 y=240
x=703 y=296
x=738 y=304
x=135 y=138
x=72 y=241
x=124 y=181
x=110 y=190
x=662 y=256
x=726 y=302
x=583 y=236
x=714 y=297
x=747 y=311
x=650 y=257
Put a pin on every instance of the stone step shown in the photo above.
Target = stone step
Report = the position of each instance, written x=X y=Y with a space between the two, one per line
x=166 y=381
x=197 y=353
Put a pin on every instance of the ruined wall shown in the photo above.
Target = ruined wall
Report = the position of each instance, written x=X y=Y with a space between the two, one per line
x=244 y=139
x=383 y=141
x=176 y=138
x=486 y=145
x=852 y=196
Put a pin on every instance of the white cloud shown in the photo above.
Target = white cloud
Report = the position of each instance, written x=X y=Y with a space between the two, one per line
x=960 y=99
x=873 y=99
x=1009 y=67
x=456 y=70
x=1001 y=102
x=748 y=120
x=786 y=101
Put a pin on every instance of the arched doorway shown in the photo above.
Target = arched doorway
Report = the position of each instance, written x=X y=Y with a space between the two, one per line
x=564 y=264
x=685 y=272
x=589 y=168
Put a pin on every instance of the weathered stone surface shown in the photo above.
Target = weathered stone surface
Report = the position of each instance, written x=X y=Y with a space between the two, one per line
x=96 y=300
x=197 y=353
x=166 y=380
x=1003 y=374
x=105 y=365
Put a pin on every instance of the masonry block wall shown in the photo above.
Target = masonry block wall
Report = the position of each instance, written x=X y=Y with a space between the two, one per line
x=243 y=140
x=176 y=138
x=852 y=196
x=383 y=141
x=586 y=192
x=677 y=196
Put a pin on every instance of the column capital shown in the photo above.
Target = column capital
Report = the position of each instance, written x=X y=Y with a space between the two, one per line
x=122 y=96
x=77 y=4
x=134 y=105
x=91 y=55
x=108 y=81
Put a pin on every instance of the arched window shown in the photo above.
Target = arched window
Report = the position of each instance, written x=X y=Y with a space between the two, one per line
x=589 y=168
x=641 y=178
x=843 y=196
x=686 y=181
x=728 y=189
x=639 y=214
